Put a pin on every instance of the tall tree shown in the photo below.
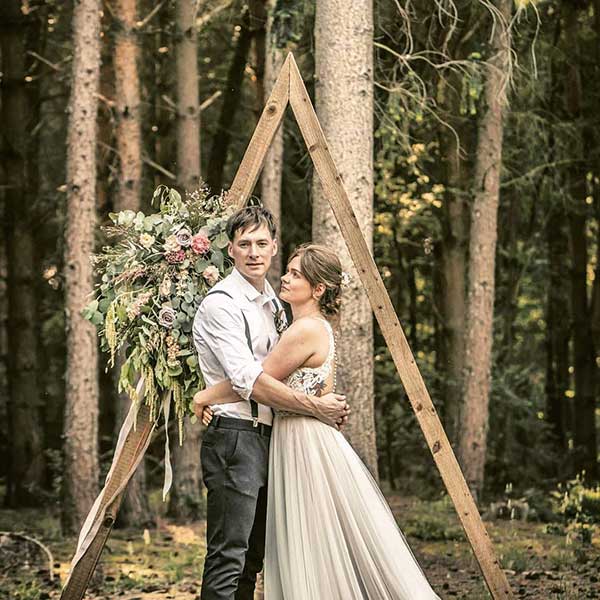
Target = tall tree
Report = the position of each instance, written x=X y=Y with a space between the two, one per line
x=558 y=328
x=232 y=97
x=584 y=359
x=81 y=468
x=472 y=445
x=344 y=102
x=453 y=255
x=188 y=106
x=186 y=501
x=18 y=119
x=135 y=509
x=272 y=174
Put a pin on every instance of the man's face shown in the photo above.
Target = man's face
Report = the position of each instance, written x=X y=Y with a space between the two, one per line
x=252 y=251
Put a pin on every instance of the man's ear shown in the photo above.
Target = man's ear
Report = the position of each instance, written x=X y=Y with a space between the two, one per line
x=229 y=248
x=275 y=247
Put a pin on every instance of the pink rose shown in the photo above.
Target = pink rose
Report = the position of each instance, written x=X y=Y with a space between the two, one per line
x=200 y=244
x=175 y=257
x=211 y=275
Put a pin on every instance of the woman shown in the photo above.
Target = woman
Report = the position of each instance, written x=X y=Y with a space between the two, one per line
x=330 y=533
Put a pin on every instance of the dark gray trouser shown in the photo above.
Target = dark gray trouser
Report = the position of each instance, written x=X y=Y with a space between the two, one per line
x=234 y=468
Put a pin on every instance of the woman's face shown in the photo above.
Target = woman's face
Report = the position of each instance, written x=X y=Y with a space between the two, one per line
x=295 y=288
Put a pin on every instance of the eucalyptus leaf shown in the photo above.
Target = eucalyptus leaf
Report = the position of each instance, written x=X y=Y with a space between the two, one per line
x=217 y=258
x=221 y=240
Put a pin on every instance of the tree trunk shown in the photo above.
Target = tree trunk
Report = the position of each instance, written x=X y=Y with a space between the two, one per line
x=3 y=325
x=478 y=341
x=344 y=101
x=584 y=358
x=232 y=96
x=557 y=327
x=135 y=510
x=81 y=468
x=185 y=499
x=188 y=106
x=26 y=464
x=453 y=261
x=272 y=173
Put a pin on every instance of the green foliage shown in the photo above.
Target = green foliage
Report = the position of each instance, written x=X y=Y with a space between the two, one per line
x=579 y=507
x=152 y=283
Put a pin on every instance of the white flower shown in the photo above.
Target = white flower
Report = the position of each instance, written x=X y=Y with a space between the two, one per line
x=125 y=218
x=171 y=244
x=166 y=316
x=165 y=287
x=146 y=240
x=211 y=275
x=184 y=237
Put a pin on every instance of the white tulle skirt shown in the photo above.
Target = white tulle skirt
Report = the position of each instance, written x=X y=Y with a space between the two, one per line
x=330 y=532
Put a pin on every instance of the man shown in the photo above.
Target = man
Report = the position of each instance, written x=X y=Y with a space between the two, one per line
x=234 y=330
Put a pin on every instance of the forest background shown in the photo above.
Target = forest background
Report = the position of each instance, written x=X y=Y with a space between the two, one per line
x=466 y=134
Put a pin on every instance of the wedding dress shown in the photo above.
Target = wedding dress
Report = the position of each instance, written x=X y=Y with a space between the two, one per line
x=330 y=533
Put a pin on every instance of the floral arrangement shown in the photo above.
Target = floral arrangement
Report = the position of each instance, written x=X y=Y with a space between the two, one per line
x=152 y=282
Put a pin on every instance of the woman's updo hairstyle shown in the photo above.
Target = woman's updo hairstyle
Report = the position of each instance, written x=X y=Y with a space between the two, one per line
x=320 y=265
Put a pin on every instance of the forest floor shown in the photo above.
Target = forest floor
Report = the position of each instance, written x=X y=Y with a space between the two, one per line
x=165 y=562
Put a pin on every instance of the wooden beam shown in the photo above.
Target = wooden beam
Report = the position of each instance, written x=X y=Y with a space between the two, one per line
x=394 y=336
x=289 y=87
x=254 y=157
x=106 y=514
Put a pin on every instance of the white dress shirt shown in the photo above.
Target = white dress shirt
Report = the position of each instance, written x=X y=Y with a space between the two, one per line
x=221 y=344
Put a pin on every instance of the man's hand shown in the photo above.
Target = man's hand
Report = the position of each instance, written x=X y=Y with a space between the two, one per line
x=207 y=415
x=332 y=409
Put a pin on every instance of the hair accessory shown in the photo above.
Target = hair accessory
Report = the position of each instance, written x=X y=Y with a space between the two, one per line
x=345 y=279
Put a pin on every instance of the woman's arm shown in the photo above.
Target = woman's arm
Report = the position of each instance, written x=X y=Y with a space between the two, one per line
x=296 y=346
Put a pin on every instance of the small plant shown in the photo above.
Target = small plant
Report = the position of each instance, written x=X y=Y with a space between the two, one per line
x=579 y=506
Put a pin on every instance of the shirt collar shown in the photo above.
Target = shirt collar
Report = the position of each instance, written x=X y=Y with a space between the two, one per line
x=250 y=291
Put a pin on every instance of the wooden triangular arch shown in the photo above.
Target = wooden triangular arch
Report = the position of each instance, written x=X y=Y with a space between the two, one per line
x=290 y=88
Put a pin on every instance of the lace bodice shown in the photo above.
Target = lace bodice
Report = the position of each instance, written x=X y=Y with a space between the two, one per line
x=312 y=380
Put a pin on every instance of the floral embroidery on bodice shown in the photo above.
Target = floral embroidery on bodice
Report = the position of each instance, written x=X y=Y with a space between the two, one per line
x=312 y=380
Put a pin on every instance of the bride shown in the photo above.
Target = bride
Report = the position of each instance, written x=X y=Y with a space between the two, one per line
x=330 y=533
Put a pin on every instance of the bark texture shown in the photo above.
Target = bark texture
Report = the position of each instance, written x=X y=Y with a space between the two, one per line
x=188 y=107
x=344 y=103
x=231 y=101
x=453 y=261
x=482 y=250
x=557 y=327
x=186 y=500
x=26 y=465
x=584 y=355
x=81 y=410
x=134 y=510
x=272 y=174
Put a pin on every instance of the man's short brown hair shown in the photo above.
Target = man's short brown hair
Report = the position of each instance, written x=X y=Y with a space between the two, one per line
x=251 y=217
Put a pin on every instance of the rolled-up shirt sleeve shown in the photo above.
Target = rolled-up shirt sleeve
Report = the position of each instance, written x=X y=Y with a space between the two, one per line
x=219 y=325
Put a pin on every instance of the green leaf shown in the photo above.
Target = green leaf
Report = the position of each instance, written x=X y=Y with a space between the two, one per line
x=175 y=371
x=104 y=304
x=97 y=319
x=221 y=240
x=217 y=258
x=192 y=362
x=200 y=265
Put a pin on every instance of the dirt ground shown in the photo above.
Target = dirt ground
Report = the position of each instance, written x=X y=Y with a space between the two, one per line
x=166 y=561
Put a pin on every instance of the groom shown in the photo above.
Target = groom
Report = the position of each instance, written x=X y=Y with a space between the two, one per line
x=234 y=330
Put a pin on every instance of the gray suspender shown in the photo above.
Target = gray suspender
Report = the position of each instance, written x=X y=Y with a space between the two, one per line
x=253 y=404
